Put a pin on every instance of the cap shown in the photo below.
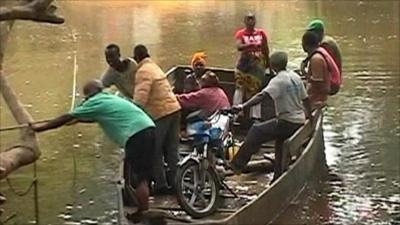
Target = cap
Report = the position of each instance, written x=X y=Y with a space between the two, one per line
x=250 y=15
x=316 y=24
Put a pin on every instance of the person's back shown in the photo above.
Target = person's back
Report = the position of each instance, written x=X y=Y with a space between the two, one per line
x=153 y=91
x=287 y=90
x=126 y=125
x=119 y=118
x=209 y=100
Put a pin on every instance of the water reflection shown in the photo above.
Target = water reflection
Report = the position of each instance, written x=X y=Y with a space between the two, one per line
x=362 y=124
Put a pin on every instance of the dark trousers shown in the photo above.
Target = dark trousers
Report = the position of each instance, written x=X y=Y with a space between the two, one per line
x=139 y=150
x=166 y=150
x=260 y=133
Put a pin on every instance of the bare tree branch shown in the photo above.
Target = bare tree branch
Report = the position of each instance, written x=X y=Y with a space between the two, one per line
x=28 y=151
x=36 y=10
x=5 y=28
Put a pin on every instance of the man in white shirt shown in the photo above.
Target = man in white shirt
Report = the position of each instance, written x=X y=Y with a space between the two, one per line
x=292 y=107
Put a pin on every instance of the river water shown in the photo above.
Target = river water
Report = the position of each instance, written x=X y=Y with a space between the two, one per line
x=361 y=124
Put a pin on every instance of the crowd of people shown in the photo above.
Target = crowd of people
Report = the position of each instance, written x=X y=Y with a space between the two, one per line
x=145 y=121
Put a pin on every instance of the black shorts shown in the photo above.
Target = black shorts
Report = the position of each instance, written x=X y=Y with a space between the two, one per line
x=139 y=151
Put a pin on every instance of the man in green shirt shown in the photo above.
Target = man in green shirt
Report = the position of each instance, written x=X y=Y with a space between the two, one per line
x=126 y=125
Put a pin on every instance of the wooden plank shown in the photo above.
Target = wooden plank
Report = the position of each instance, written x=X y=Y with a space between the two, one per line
x=168 y=208
x=162 y=215
x=120 y=185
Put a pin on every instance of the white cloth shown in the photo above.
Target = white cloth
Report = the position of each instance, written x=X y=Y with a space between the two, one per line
x=255 y=111
x=288 y=91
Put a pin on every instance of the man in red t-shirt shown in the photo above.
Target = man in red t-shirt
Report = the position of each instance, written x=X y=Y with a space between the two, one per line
x=252 y=43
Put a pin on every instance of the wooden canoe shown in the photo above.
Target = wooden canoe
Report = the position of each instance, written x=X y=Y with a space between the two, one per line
x=259 y=203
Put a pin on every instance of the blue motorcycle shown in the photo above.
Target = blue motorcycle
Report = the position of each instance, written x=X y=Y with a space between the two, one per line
x=198 y=182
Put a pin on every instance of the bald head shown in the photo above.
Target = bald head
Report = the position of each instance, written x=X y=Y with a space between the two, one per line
x=92 y=87
x=209 y=79
x=278 y=61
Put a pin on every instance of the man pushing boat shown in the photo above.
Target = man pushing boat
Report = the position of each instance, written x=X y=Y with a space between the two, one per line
x=126 y=125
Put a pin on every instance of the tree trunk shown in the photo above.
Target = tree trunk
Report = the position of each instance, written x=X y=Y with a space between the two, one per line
x=27 y=151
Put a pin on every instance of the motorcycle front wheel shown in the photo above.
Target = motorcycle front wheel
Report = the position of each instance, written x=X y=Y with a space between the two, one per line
x=197 y=190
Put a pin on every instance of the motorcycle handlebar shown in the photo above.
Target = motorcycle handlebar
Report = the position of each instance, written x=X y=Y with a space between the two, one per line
x=228 y=111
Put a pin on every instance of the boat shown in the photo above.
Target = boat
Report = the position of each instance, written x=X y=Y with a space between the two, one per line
x=256 y=201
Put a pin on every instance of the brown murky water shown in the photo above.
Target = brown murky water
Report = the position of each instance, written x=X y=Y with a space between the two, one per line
x=362 y=126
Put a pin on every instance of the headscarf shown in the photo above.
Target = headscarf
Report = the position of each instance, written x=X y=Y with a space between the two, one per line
x=199 y=57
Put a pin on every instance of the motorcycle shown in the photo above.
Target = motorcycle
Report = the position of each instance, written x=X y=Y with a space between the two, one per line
x=198 y=181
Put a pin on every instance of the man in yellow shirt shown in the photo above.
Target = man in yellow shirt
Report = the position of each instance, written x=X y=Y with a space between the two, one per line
x=154 y=93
